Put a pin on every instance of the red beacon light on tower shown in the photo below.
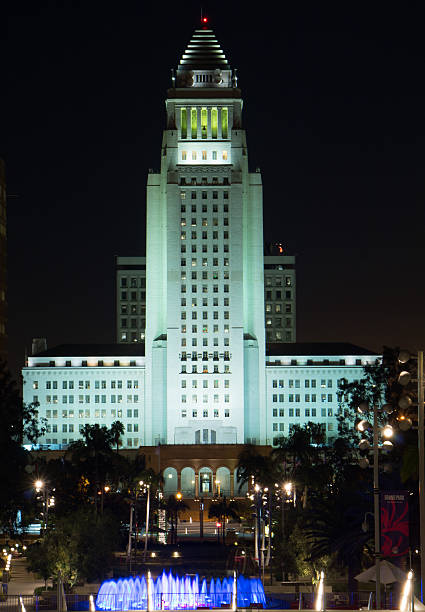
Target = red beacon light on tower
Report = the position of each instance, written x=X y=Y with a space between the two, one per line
x=204 y=21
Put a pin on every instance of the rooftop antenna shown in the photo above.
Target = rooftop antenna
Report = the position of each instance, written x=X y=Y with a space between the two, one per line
x=204 y=19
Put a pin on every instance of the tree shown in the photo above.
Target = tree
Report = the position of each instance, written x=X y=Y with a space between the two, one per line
x=79 y=546
x=19 y=423
x=254 y=467
x=333 y=527
x=222 y=510
x=173 y=507
x=117 y=430
x=94 y=452
x=303 y=455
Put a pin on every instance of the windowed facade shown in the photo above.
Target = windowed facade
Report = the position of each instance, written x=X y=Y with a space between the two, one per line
x=192 y=327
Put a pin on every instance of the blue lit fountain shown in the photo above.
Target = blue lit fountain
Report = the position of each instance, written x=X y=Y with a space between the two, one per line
x=169 y=592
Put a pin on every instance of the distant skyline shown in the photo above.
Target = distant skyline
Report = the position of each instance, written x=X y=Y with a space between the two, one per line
x=334 y=102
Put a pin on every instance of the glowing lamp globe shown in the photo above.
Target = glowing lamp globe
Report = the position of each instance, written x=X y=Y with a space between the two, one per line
x=405 y=402
x=404 y=423
x=364 y=444
x=404 y=356
x=388 y=431
x=404 y=378
x=364 y=462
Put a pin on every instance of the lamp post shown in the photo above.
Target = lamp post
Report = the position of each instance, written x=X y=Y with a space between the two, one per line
x=201 y=518
x=364 y=444
x=48 y=501
x=147 y=518
x=404 y=403
x=376 y=507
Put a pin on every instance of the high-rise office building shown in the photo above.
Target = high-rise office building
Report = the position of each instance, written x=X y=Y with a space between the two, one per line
x=279 y=295
x=130 y=299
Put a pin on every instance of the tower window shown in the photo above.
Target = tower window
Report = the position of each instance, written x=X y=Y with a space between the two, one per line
x=194 y=123
x=184 y=155
x=214 y=123
x=204 y=155
x=183 y=123
x=204 y=124
x=214 y=155
x=224 y=123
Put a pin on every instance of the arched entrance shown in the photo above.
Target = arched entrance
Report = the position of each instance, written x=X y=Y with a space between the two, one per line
x=170 y=481
x=188 y=482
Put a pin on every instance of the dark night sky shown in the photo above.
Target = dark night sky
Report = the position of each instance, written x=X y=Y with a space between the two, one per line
x=334 y=107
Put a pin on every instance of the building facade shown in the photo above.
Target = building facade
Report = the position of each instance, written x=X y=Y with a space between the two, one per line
x=279 y=295
x=76 y=385
x=192 y=367
x=130 y=299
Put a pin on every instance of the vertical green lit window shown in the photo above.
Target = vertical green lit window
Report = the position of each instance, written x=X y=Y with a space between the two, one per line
x=183 y=123
x=204 y=122
x=194 y=122
x=224 y=122
x=214 y=122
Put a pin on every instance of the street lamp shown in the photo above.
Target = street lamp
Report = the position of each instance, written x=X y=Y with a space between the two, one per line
x=48 y=501
x=148 y=487
x=387 y=431
x=405 y=402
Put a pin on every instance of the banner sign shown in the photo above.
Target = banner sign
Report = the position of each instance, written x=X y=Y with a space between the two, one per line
x=394 y=523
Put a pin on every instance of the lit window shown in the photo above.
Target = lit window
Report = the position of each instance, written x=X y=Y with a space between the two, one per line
x=204 y=155
x=184 y=155
x=194 y=155
x=224 y=155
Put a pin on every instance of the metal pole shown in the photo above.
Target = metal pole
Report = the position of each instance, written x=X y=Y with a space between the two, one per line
x=256 y=534
x=147 y=523
x=129 y=535
x=201 y=518
x=376 y=507
x=421 y=449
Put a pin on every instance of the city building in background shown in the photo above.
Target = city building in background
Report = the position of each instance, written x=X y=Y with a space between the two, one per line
x=3 y=263
x=130 y=299
x=279 y=295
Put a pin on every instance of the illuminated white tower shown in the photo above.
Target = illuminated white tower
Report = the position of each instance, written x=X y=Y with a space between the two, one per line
x=205 y=344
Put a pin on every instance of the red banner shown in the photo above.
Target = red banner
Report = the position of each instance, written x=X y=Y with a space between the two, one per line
x=394 y=523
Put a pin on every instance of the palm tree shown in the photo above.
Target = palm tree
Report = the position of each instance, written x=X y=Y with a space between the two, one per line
x=94 y=450
x=117 y=430
x=303 y=456
x=334 y=526
x=173 y=507
x=254 y=467
x=221 y=510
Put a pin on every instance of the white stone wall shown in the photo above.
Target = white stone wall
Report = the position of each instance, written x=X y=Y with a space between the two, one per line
x=204 y=279
x=72 y=396
x=298 y=393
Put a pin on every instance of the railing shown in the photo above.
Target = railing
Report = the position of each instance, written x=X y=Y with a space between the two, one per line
x=333 y=601
x=81 y=603
x=36 y=603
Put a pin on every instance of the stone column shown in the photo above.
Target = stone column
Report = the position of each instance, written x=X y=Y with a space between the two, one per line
x=196 y=484
x=232 y=483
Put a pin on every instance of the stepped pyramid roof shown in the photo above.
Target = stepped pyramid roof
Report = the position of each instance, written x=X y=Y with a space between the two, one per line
x=203 y=53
